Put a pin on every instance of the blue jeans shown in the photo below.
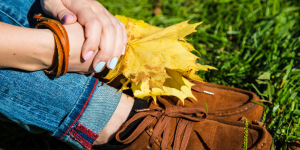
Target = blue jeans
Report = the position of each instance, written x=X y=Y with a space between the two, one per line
x=73 y=108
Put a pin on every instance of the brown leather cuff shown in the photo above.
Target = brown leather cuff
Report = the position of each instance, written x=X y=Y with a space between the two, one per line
x=61 y=42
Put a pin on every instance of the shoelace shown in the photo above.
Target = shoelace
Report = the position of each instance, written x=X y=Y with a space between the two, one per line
x=185 y=118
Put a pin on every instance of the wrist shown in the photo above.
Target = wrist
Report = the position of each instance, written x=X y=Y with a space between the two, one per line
x=46 y=52
x=48 y=45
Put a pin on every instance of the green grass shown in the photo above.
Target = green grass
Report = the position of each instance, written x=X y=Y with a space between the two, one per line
x=253 y=43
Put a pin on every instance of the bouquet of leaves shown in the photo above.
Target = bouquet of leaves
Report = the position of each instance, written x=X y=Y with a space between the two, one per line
x=158 y=60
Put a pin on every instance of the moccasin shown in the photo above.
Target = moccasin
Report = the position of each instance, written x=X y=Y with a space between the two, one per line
x=294 y=145
x=169 y=126
x=226 y=102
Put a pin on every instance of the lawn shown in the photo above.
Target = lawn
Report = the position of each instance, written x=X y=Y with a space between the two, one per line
x=253 y=43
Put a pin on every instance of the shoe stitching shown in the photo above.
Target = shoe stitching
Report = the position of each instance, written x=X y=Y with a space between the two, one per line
x=149 y=131
x=251 y=105
x=263 y=144
x=234 y=113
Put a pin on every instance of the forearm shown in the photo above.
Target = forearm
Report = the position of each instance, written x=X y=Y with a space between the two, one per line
x=25 y=48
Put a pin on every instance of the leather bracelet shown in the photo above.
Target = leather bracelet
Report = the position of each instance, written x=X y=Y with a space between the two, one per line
x=61 y=42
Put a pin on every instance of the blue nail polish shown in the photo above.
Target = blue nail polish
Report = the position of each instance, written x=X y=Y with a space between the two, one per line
x=99 y=66
x=113 y=63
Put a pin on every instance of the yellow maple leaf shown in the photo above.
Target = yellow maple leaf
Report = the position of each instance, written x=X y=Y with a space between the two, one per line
x=156 y=60
x=148 y=56
x=125 y=20
x=139 y=29
x=176 y=86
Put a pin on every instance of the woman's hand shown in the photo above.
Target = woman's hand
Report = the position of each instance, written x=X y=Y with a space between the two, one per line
x=101 y=29
x=76 y=38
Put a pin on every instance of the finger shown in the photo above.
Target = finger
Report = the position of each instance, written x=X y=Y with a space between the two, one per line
x=57 y=9
x=120 y=43
x=121 y=29
x=107 y=42
x=93 y=30
x=121 y=23
x=124 y=37
x=121 y=36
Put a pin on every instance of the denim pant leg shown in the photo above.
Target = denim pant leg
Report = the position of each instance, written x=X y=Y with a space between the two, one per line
x=73 y=108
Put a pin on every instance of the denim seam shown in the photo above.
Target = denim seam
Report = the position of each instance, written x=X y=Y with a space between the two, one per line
x=70 y=120
x=86 y=131
x=86 y=144
x=83 y=135
x=11 y=18
x=82 y=110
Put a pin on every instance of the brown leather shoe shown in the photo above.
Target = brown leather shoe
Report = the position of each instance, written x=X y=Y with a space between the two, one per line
x=295 y=145
x=167 y=126
x=226 y=102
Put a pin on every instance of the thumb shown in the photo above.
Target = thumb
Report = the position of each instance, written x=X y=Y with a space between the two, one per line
x=58 y=10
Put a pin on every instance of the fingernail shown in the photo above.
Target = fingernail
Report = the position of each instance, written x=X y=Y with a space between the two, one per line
x=124 y=47
x=113 y=63
x=67 y=16
x=99 y=66
x=88 y=55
